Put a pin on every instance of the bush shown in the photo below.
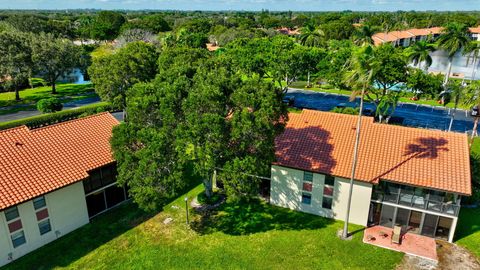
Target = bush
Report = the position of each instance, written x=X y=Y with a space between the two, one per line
x=346 y=110
x=203 y=199
x=53 y=118
x=49 y=105
x=37 y=82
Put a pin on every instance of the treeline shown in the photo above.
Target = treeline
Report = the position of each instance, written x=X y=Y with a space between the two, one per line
x=107 y=25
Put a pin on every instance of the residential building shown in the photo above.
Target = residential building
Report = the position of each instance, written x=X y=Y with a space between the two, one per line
x=405 y=38
x=53 y=180
x=408 y=177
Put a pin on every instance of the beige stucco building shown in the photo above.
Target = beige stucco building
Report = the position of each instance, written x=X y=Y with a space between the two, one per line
x=400 y=179
x=53 y=180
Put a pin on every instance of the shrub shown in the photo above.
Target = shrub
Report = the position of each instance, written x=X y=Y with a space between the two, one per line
x=53 y=118
x=346 y=110
x=49 y=105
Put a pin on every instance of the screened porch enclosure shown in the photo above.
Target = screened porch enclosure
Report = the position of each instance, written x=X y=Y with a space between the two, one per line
x=417 y=210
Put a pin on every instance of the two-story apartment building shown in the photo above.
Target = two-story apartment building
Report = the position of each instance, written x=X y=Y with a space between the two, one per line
x=53 y=180
x=408 y=177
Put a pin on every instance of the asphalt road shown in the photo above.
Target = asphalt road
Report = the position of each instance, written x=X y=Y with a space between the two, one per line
x=422 y=116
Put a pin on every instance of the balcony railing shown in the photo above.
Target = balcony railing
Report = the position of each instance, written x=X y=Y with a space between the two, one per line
x=419 y=198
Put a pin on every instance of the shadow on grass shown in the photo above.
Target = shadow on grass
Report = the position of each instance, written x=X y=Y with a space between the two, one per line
x=468 y=224
x=77 y=244
x=69 y=248
x=245 y=218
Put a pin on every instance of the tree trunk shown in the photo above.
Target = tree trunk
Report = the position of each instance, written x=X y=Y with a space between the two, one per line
x=452 y=118
x=54 y=89
x=17 y=93
x=207 y=183
x=308 y=79
x=354 y=165
x=474 y=71
x=447 y=75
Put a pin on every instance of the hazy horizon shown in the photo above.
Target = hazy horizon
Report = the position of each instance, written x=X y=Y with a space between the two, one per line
x=246 y=5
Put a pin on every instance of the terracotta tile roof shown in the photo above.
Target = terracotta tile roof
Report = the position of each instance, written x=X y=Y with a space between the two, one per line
x=418 y=32
x=401 y=34
x=385 y=37
x=435 y=30
x=323 y=142
x=38 y=161
x=475 y=30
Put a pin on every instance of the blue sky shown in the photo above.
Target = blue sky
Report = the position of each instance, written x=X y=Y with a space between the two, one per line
x=308 y=5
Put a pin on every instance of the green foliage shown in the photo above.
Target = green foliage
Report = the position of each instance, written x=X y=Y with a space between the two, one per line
x=154 y=23
x=420 y=52
x=346 y=110
x=54 y=57
x=423 y=84
x=15 y=60
x=53 y=118
x=106 y=26
x=339 y=30
x=49 y=105
x=202 y=198
x=196 y=111
x=454 y=38
x=113 y=74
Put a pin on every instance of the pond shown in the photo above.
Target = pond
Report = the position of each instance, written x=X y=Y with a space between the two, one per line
x=76 y=77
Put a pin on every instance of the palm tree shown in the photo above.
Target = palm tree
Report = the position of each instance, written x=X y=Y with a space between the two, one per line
x=472 y=99
x=453 y=39
x=420 y=52
x=455 y=92
x=310 y=35
x=363 y=35
x=360 y=72
x=473 y=49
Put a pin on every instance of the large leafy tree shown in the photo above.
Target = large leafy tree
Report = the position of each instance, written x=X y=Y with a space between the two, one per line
x=15 y=59
x=453 y=39
x=114 y=74
x=106 y=26
x=208 y=117
x=54 y=57
x=420 y=52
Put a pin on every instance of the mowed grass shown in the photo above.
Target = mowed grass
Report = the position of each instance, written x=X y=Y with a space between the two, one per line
x=468 y=230
x=239 y=236
x=67 y=92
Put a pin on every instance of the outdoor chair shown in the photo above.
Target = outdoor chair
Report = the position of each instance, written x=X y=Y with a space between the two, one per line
x=397 y=235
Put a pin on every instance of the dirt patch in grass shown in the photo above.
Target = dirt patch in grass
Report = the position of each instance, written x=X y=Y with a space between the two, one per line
x=451 y=256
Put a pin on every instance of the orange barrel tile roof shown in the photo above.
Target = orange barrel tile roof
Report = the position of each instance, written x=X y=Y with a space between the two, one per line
x=418 y=32
x=401 y=34
x=323 y=142
x=38 y=161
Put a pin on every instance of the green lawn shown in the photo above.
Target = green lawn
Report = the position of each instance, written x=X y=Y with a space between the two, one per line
x=468 y=230
x=239 y=236
x=67 y=92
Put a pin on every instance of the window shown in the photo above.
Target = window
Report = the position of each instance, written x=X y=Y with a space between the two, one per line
x=39 y=203
x=11 y=213
x=306 y=198
x=329 y=180
x=328 y=189
x=327 y=202
x=18 y=239
x=307 y=187
x=307 y=176
x=44 y=226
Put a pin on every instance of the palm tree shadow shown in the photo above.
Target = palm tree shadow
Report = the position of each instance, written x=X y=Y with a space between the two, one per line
x=424 y=148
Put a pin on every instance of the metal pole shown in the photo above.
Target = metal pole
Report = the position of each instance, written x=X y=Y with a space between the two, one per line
x=186 y=208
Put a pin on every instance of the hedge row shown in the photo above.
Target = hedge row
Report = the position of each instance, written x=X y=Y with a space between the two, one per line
x=57 y=117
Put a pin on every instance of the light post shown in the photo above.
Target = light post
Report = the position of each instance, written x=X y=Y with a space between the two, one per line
x=186 y=208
